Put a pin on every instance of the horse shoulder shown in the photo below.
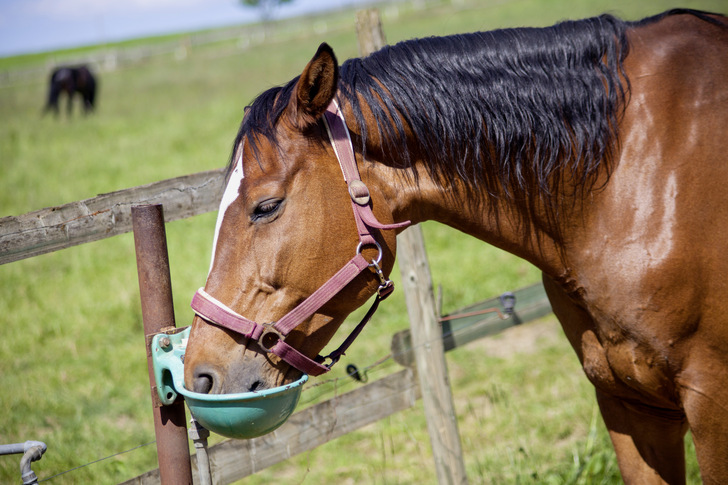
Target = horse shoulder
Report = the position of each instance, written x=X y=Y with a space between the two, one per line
x=644 y=253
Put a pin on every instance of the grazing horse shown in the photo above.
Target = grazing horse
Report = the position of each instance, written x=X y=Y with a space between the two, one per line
x=71 y=80
x=594 y=149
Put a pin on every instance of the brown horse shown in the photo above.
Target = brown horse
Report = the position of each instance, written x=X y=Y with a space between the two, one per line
x=595 y=149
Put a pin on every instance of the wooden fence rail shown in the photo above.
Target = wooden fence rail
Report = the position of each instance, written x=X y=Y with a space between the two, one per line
x=106 y=215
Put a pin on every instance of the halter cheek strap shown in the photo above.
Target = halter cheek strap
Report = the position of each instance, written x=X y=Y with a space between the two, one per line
x=271 y=336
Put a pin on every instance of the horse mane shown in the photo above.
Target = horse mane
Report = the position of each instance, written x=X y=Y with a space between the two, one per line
x=503 y=111
x=512 y=112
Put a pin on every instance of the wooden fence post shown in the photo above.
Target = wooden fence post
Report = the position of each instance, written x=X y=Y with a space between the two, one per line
x=430 y=358
x=426 y=333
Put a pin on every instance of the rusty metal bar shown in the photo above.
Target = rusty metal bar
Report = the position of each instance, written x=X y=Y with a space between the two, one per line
x=155 y=288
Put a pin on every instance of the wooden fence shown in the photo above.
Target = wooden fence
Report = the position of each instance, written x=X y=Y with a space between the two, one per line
x=233 y=460
x=106 y=215
x=216 y=43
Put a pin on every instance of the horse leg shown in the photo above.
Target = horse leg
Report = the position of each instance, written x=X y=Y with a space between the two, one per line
x=649 y=443
x=649 y=447
x=88 y=102
x=53 y=93
x=705 y=399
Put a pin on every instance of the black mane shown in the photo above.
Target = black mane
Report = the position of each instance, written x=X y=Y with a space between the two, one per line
x=511 y=111
x=504 y=110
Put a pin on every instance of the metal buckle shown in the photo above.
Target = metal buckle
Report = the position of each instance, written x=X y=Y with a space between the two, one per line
x=385 y=285
x=270 y=337
x=334 y=360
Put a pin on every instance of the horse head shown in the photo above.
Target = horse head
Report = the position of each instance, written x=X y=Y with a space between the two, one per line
x=285 y=226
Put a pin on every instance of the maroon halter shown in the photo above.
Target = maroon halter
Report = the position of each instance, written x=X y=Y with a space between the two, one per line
x=271 y=336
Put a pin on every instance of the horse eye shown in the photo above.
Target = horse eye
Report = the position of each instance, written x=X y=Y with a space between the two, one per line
x=266 y=209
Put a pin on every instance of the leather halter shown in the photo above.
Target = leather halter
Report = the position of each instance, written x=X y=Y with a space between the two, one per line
x=271 y=336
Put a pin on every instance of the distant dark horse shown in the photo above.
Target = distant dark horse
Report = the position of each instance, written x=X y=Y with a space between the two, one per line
x=71 y=80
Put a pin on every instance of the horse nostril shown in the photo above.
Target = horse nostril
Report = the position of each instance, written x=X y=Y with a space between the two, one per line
x=202 y=383
x=256 y=385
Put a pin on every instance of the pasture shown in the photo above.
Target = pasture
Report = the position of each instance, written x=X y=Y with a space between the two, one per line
x=72 y=363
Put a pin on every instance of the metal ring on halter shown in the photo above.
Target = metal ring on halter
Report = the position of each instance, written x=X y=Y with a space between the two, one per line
x=379 y=256
x=269 y=337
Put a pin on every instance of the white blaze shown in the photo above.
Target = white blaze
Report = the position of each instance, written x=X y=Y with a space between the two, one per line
x=228 y=197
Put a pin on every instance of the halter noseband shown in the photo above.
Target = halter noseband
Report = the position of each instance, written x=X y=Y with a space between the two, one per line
x=271 y=336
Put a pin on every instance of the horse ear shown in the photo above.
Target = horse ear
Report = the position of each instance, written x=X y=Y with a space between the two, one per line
x=316 y=87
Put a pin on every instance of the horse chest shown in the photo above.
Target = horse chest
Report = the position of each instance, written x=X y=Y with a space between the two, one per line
x=623 y=367
x=634 y=278
x=631 y=340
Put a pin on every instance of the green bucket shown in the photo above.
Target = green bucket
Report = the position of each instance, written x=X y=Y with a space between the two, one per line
x=242 y=416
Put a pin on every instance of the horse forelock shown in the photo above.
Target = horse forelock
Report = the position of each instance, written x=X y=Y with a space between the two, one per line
x=260 y=119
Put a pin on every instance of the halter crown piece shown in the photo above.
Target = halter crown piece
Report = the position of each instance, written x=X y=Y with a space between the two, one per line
x=271 y=336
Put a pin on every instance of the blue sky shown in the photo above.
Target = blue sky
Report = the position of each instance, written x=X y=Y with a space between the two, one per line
x=39 y=25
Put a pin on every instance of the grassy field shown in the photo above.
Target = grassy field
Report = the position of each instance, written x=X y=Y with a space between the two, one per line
x=72 y=363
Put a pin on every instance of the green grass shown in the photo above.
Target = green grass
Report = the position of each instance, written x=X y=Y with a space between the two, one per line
x=72 y=363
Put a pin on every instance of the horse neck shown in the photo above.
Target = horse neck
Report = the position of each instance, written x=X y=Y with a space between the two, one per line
x=527 y=230
x=503 y=223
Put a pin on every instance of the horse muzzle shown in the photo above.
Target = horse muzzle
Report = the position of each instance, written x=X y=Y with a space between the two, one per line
x=241 y=415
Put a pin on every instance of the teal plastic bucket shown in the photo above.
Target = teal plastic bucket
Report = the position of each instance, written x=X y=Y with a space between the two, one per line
x=242 y=416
